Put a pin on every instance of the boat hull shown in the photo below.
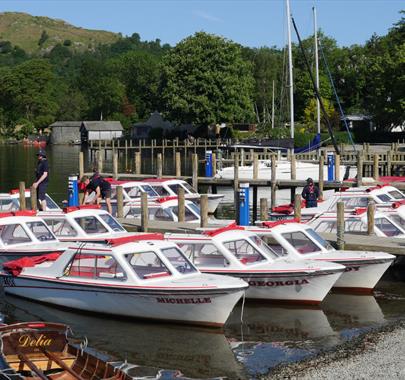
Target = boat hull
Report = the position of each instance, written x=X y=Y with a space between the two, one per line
x=202 y=307
x=361 y=277
x=297 y=288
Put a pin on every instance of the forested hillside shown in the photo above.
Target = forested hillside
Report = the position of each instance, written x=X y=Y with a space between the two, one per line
x=204 y=79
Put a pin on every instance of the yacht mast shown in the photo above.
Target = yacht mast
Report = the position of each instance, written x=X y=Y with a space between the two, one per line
x=290 y=67
x=318 y=108
x=272 y=109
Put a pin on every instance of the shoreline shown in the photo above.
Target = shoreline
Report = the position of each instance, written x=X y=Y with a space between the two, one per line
x=377 y=353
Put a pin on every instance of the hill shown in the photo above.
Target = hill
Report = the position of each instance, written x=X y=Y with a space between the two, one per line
x=28 y=31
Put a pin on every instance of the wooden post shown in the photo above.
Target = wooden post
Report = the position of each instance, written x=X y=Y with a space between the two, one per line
x=81 y=165
x=340 y=226
x=293 y=164
x=115 y=165
x=204 y=210
x=273 y=181
x=389 y=162
x=214 y=164
x=359 y=168
x=178 y=164
x=138 y=167
x=181 y=204
x=297 y=207
x=159 y=165
x=120 y=202
x=254 y=214
x=34 y=201
x=126 y=155
x=321 y=179
x=22 y=196
x=144 y=212
x=264 y=209
x=100 y=161
x=236 y=183
x=376 y=175
x=255 y=166
x=370 y=218
x=337 y=167
x=195 y=171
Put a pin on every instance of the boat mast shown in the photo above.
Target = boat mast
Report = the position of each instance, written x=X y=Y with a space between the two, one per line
x=290 y=68
x=318 y=108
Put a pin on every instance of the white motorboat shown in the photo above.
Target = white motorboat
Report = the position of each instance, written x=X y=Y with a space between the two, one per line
x=235 y=252
x=84 y=223
x=283 y=171
x=23 y=234
x=147 y=278
x=356 y=223
x=11 y=201
x=297 y=241
x=170 y=187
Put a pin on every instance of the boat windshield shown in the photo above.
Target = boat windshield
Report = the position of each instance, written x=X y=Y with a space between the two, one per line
x=194 y=207
x=112 y=223
x=244 y=251
x=396 y=194
x=388 y=228
x=13 y=234
x=91 y=225
x=384 y=198
x=301 y=242
x=41 y=231
x=60 y=227
x=263 y=246
x=160 y=190
x=396 y=218
x=203 y=254
x=189 y=188
x=178 y=260
x=9 y=204
x=319 y=239
x=149 y=190
x=147 y=265
x=189 y=216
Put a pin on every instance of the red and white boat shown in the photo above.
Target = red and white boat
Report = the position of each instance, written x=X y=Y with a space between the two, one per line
x=297 y=242
x=23 y=234
x=145 y=278
x=11 y=201
x=170 y=187
x=242 y=254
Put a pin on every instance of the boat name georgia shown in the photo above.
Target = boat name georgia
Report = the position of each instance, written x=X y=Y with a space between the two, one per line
x=29 y=341
x=278 y=283
x=183 y=300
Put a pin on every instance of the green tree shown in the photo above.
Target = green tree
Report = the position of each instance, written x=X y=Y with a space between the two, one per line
x=43 y=38
x=205 y=80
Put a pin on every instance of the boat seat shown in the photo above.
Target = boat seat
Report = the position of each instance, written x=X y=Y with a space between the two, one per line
x=40 y=360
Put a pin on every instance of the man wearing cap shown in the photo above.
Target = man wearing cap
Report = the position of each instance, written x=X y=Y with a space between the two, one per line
x=41 y=178
x=311 y=194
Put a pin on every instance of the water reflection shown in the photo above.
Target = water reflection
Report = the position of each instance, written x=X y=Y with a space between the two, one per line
x=197 y=353
x=272 y=334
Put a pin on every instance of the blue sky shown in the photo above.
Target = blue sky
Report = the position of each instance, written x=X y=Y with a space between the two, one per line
x=251 y=23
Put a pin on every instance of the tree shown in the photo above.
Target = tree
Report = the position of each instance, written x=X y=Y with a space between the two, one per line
x=43 y=38
x=205 y=80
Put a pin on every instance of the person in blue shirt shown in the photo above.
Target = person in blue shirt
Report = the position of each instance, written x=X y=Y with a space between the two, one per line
x=311 y=194
x=41 y=178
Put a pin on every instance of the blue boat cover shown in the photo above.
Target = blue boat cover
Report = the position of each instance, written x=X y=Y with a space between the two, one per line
x=314 y=144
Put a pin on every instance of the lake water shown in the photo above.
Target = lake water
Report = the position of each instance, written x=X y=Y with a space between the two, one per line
x=249 y=345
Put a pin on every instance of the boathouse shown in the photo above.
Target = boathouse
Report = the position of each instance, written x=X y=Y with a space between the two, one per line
x=100 y=130
x=65 y=132
x=155 y=122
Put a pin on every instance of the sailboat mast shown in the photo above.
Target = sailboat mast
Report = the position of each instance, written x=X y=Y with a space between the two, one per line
x=290 y=68
x=318 y=108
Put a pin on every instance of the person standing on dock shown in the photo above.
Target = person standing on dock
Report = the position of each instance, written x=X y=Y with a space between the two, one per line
x=100 y=187
x=41 y=178
x=311 y=193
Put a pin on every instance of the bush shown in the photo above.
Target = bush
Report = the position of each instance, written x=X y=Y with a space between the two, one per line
x=67 y=43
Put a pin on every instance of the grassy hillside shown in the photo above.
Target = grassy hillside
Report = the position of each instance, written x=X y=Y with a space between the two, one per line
x=25 y=31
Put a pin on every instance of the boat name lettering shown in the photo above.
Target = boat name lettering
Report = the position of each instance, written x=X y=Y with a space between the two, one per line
x=29 y=341
x=279 y=283
x=183 y=300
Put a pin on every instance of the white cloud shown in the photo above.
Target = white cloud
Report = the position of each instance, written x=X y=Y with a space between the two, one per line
x=206 y=16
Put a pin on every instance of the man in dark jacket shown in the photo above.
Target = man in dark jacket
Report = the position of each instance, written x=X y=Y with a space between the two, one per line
x=100 y=186
x=310 y=193
x=41 y=178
